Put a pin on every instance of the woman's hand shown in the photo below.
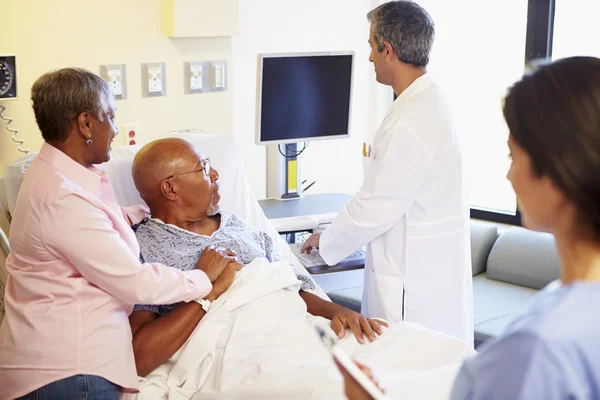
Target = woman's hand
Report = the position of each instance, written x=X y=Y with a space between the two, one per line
x=358 y=323
x=224 y=281
x=214 y=260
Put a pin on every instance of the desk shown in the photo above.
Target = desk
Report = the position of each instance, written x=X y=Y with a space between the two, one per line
x=305 y=213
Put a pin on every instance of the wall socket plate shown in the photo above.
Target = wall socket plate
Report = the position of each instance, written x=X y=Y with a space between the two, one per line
x=218 y=76
x=116 y=76
x=195 y=80
x=154 y=80
x=204 y=76
x=132 y=133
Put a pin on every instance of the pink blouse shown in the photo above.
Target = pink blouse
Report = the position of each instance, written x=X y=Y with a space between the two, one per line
x=74 y=277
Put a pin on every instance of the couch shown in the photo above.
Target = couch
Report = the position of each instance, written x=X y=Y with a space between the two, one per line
x=508 y=270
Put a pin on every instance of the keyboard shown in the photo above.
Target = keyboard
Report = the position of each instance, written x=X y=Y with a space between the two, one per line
x=314 y=263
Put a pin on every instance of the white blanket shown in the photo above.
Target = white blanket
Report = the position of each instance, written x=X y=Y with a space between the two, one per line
x=258 y=342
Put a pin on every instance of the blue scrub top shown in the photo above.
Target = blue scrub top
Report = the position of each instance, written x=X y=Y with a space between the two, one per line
x=552 y=351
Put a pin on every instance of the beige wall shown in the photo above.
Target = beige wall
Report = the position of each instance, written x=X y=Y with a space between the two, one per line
x=52 y=34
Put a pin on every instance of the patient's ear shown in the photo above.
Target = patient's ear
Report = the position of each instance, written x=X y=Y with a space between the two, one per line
x=169 y=190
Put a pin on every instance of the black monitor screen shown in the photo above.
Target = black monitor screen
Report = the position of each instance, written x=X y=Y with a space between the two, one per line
x=305 y=97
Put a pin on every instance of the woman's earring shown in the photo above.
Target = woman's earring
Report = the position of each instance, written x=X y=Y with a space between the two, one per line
x=89 y=141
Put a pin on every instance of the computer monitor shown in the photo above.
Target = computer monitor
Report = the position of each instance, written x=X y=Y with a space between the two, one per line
x=303 y=97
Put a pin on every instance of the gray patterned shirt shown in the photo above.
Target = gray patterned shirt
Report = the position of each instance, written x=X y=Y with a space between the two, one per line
x=178 y=248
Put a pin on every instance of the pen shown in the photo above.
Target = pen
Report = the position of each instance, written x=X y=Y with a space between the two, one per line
x=364 y=149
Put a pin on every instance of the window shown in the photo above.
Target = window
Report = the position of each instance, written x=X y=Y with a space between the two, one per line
x=481 y=49
x=576 y=29
x=475 y=60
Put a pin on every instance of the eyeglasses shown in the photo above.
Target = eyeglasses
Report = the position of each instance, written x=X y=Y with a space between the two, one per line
x=205 y=167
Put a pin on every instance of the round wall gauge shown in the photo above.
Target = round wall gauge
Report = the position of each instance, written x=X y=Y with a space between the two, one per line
x=8 y=77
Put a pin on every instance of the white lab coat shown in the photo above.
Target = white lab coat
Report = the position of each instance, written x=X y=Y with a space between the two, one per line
x=412 y=213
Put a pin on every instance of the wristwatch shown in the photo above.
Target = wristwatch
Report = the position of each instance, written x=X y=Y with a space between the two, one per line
x=204 y=303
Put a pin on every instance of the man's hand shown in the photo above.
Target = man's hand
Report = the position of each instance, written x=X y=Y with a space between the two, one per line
x=224 y=281
x=354 y=391
x=358 y=323
x=311 y=242
x=214 y=260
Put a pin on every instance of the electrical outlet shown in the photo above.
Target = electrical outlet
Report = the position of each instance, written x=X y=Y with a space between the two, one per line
x=116 y=82
x=195 y=79
x=153 y=80
x=132 y=130
x=116 y=78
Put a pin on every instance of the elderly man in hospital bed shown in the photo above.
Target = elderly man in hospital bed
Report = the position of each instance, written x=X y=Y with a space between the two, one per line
x=182 y=191
x=255 y=337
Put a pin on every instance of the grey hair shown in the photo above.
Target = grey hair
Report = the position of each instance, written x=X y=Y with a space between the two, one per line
x=407 y=27
x=60 y=96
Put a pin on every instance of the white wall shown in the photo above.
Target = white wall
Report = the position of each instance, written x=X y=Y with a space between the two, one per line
x=52 y=34
x=278 y=26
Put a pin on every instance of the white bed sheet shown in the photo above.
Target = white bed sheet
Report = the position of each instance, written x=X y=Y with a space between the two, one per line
x=258 y=342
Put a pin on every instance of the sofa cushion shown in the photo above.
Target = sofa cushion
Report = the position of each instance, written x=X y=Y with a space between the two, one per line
x=523 y=257
x=495 y=305
x=483 y=237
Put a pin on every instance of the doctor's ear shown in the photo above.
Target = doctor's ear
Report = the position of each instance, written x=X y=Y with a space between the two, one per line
x=388 y=50
x=168 y=189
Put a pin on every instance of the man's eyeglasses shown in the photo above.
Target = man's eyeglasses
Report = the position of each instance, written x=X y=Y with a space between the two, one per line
x=205 y=167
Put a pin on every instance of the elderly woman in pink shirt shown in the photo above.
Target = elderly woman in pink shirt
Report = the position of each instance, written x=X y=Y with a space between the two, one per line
x=74 y=266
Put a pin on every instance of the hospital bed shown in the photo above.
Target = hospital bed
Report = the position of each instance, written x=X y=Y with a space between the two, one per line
x=420 y=369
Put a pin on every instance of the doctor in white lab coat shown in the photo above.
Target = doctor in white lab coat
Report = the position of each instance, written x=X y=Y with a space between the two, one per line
x=412 y=210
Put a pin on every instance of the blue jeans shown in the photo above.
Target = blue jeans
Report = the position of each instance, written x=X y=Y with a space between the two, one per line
x=78 y=387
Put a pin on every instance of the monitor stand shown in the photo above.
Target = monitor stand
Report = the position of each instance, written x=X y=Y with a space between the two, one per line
x=283 y=172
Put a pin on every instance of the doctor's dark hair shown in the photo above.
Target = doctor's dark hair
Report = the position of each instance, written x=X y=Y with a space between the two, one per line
x=60 y=96
x=554 y=114
x=407 y=27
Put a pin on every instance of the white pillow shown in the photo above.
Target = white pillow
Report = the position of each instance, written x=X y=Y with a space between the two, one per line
x=118 y=170
x=14 y=179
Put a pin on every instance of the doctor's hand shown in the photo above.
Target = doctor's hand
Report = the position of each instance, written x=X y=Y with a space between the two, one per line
x=361 y=326
x=224 y=281
x=311 y=242
x=214 y=260
x=353 y=390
